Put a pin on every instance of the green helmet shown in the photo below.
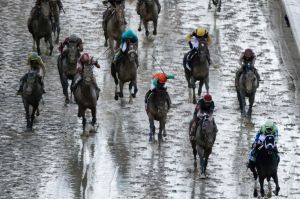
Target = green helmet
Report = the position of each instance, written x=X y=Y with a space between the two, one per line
x=269 y=127
x=33 y=56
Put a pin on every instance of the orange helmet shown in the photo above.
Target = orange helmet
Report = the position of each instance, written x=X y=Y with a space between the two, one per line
x=207 y=98
x=84 y=58
x=161 y=77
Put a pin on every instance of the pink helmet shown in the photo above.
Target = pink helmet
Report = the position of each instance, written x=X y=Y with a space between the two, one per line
x=84 y=58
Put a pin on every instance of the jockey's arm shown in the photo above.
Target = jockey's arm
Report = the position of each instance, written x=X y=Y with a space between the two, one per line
x=209 y=40
x=188 y=37
x=197 y=109
x=60 y=5
x=42 y=64
x=241 y=60
x=253 y=61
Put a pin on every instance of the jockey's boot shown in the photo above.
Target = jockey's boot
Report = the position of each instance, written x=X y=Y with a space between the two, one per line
x=19 y=92
x=193 y=130
x=42 y=84
x=147 y=96
x=215 y=127
x=251 y=165
x=95 y=84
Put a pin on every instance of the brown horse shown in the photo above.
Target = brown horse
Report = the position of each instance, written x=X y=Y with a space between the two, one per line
x=39 y=25
x=86 y=95
x=148 y=12
x=200 y=69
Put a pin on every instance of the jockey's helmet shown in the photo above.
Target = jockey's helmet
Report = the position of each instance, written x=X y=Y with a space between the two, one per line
x=248 y=54
x=269 y=127
x=207 y=99
x=162 y=78
x=200 y=32
x=84 y=58
x=33 y=56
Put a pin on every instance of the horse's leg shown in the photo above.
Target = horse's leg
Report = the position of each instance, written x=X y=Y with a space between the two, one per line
x=65 y=85
x=83 y=120
x=219 y=6
x=37 y=111
x=135 y=87
x=255 y=193
x=152 y=128
x=243 y=102
x=58 y=30
x=51 y=44
x=116 y=92
x=193 y=143
x=202 y=161
x=94 y=116
x=209 y=4
x=146 y=27
x=200 y=87
x=239 y=99
x=26 y=106
x=251 y=102
x=155 y=27
x=38 y=46
x=275 y=178
x=32 y=116
x=194 y=96
x=121 y=85
x=269 y=188
x=206 y=82
x=261 y=182
x=140 y=25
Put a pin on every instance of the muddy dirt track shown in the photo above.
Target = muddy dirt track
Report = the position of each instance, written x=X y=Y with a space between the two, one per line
x=118 y=162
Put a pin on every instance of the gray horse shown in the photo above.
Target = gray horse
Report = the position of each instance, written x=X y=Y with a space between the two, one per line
x=205 y=139
x=148 y=12
x=158 y=105
x=67 y=67
x=115 y=27
x=86 y=95
x=246 y=87
x=200 y=69
x=31 y=95
x=127 y=72
x=39 y=25
x=217 y=3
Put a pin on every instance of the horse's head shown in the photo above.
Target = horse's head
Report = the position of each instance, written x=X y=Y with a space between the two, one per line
x=30 y=82
x=269 y=144
x=132 y=52
x=73 y=53
x=88 y=73
x=207 y=129
x=119 y=14
x=45 y=8
x=202 y=50
x=250 y=81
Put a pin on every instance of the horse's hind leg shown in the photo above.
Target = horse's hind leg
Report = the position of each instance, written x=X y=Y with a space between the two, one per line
x=83 y=120
x=121 y=89
x=261 y=182
x=94 y=120
x=251 y=102
x=65 y=85
x=58 y=30
x=269 y=188
x=26 y=106
x=38 y=46
x=51 y=44
x=206 y=82
x=275 y=178
x=146 y=27
x=32 y=116
x=200 y=87
x=152 y=129
x=194 y=96
x=193 y=143
x=140 y=25
x=155 y=27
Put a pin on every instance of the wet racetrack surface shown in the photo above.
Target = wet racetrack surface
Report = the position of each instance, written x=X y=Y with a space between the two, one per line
x=54 y=161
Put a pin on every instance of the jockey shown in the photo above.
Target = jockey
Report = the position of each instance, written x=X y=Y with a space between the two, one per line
x=140 y=2
x=36 y=63
x=269 y=128
x=247 y=57
x=204 y=105
x=193 y=39
x=85 y=59
x=71 y=39
x=127 y=37
x=158 y=82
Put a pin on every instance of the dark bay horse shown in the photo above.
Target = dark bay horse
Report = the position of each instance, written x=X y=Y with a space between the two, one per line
x=266 y=165
x=86 y=95
x=31 y=95
x=39 y=25
x=115 y=27
x=200 y=69
x=148 y=12
x=67 y=67
x=205 y=139
x=217 y=3
x=157 y=108
x=127 y=72
x=55 y=19
x=246 y=87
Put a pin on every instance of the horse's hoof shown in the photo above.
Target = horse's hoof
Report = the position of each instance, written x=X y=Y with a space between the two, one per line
x=154 y=32
x=67 y=101
x=150 y=139
x=255 y=194
x=116 y=97
x=164 y=135
x=139 y=29
x=133 y=95
x=121 y=95
x=194 y=101
x=195 y=164
x=147 y=33
x=202 y=176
